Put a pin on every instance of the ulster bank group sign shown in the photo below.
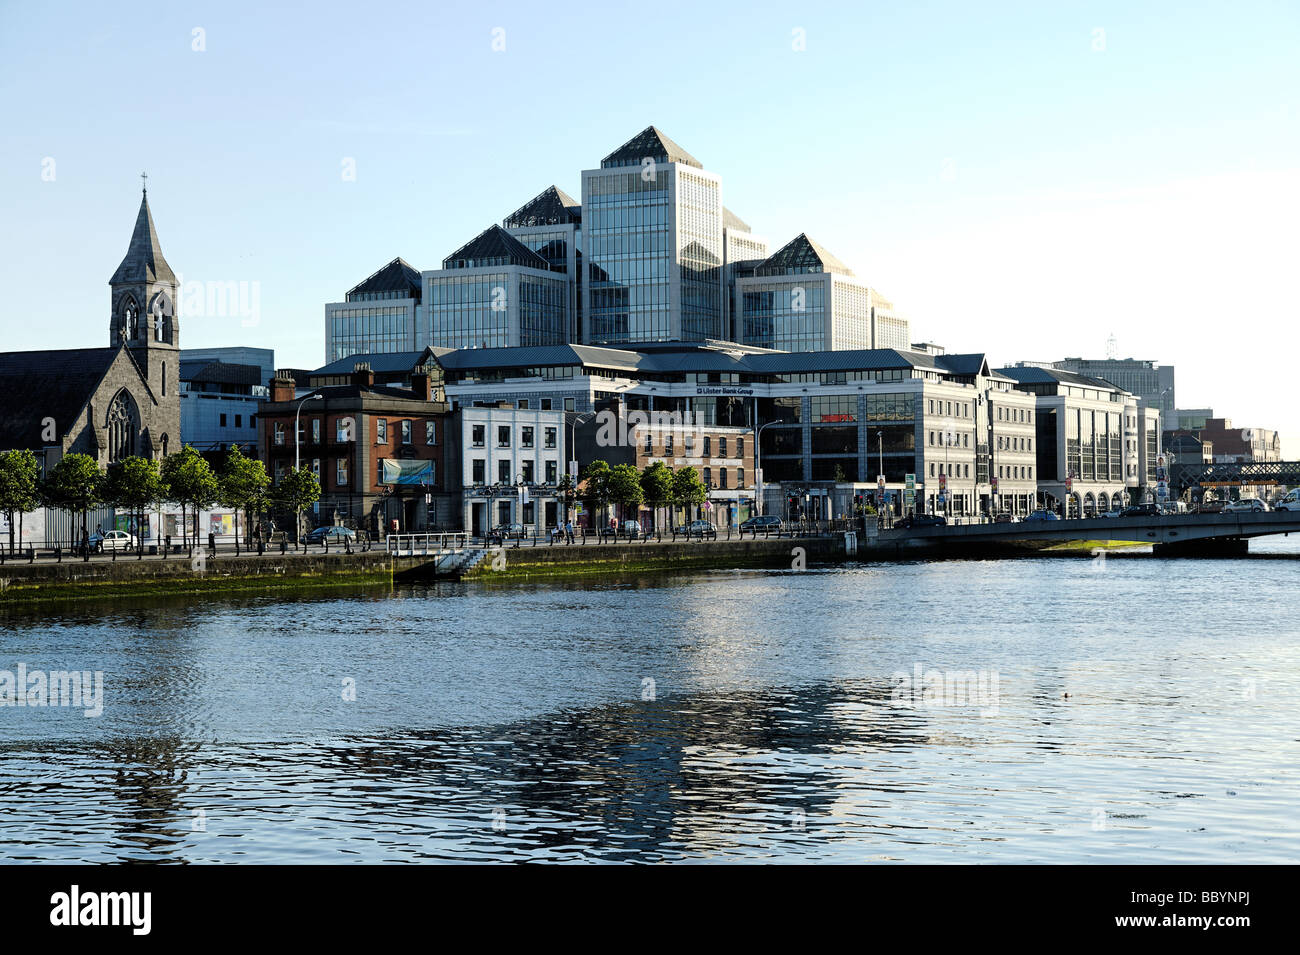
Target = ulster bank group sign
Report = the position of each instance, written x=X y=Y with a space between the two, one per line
x=724 y=391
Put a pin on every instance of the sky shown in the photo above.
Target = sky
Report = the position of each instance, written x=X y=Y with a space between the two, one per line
x=1022 y=179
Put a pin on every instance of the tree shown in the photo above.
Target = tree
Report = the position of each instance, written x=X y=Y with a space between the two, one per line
x=657 y=486
x=242 y=486
x=625 y=487
x=299 y=488
x=688 y=489
x=74 y=485
x=19 y=489
x=189 y=482
x=596 y=477
x=134 y=484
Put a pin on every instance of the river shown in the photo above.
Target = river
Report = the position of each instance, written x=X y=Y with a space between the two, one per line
x=1116 y=710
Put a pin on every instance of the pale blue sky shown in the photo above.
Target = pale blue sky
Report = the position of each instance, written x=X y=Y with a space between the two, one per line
x=1016 y=181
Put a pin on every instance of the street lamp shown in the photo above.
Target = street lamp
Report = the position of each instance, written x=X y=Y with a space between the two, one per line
x=758 y=463
x=573 y=455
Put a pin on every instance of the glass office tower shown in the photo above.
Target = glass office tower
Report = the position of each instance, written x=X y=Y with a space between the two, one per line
x=652 y=223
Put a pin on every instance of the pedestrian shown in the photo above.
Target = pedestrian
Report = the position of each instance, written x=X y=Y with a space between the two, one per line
x=212 y=543
x=568 y=531
x=257 y=537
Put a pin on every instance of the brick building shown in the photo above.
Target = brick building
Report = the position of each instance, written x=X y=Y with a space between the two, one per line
x=382 y=453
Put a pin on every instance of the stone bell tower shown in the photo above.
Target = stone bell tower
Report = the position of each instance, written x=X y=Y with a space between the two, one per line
x=145 y=293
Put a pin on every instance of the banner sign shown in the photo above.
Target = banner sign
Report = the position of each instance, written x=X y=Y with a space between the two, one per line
x=407 y=472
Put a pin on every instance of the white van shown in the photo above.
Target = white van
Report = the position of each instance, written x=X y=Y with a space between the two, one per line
x=1289 y=503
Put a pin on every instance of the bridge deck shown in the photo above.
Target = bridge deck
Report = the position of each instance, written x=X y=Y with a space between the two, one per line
x=1163 y=529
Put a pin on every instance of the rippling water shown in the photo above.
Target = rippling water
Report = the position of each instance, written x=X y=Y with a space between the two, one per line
x=1146 y=711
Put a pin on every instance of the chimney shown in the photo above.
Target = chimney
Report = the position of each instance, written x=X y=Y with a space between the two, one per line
x=362 y=374
x=283 y=386
x=422 y=384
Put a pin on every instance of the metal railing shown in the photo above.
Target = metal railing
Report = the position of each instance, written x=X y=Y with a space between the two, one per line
x=424 y=545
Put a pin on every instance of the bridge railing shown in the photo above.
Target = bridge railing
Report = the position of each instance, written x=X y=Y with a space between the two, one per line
x=422 y=545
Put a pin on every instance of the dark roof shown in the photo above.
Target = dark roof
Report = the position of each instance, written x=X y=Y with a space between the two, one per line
x=1034 y=375
x=966 y=366
x=220 y=372
x=553 y=206
x=802 y=253
x=649 y=143
x=397 y=276
x=144 y=260
x=732 y=221
x=35 y=385
x=380 y=362
x=685 y=359
x=494 y=246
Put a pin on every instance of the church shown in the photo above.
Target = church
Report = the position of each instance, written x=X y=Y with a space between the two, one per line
x=113 y=402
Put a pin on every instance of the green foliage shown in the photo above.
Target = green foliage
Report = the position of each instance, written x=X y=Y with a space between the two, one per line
x=298 y=489
x=625 y=486
x=597 y=477
x=134 y=484
x=657 y=484
x=19 y=482
x=189 y=479
x=74 y=484
x=243 y=482
x=688 y=489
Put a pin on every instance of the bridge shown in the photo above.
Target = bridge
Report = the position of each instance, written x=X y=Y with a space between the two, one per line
x=1219 y=535
x=1194 y=474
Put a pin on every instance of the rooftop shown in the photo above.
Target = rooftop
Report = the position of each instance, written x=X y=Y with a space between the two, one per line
x=650 y=143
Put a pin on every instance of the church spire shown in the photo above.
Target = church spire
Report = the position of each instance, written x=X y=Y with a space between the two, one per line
x=144 y=260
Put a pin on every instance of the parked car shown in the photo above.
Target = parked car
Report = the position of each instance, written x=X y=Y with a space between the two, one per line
x=330 y=532
x=1173 y=507
x=1117 y=512
x=114 y=541
x=1210 y=507
x=1042 y=515
x=508 y=532
x=630 y=528
x=922 y=520
x=1141 y=510
x=1249 y=505
x=1004 y=518
x=699 y=529
x=763 y=523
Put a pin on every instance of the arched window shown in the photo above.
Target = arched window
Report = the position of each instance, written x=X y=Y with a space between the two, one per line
x=123 y=424
x=163 y=314
x=130 y=318
x=164 y=445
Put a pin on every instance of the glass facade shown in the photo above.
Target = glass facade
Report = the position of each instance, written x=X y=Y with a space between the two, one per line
x=699 y=245
x=789 y=316
x=363 y=329
x=627 y=222
x=468 y=311
x=542 y=311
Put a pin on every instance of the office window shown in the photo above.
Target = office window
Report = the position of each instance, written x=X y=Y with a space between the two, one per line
x=708 y=446
x=479 y=435
x=341 y=472
x=722 y=449
x=381 y=431
x=526 y=437
x=649 y=442
x=480 y=471
x=315 y=467
x=708 y=477
x=278 y=436
x=503 y=472
x=406 y=432
x=552 y=472
x=546 y=404
x=503 y=436
x=550 y=437
x=430 y=433
x=223 y=421
x=688 y=444
x=740 y=450
x=527 y=469
x=740 y=477
x=239 y=421
x=523 y=404
x=722 y=477
x=668 y=444
x=568 y=404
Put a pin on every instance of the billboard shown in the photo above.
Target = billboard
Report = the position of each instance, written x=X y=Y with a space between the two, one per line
x=407 y=472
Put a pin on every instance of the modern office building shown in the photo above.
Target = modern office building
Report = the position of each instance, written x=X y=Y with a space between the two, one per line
x=1151 y=384
x=1192 y=419
x=1096 y=443
x=802 y=298
x=827 y=423
x=221 y=392
x=495 y=292
x=379 y=315
x=650 y=254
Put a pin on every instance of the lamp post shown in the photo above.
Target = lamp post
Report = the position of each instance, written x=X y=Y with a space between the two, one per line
x=758 y=464
x=573 y=454
x=297 y=454
x=880 y=443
